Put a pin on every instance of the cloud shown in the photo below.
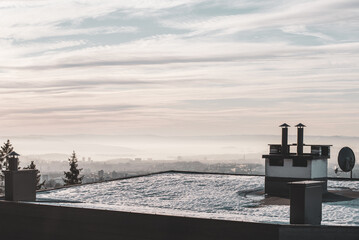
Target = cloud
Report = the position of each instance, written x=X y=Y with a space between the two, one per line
x=298 y=13
x=302 y=30
x=199 y=67
x=37 y=32
x=72 y=108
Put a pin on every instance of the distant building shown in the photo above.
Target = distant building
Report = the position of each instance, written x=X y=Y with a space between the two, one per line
x=114 y=174
x=101 y=174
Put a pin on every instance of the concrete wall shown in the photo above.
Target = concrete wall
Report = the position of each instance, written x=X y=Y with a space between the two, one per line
x=31 y=221
x=301 y=232
x=314 y=169
x=20 y=185
x=319 y=168
x=287 y=170
x=279 y=186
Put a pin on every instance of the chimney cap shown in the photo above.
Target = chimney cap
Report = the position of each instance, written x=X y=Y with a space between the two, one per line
x=300 y=125
x=13 y=154
x=284 y=125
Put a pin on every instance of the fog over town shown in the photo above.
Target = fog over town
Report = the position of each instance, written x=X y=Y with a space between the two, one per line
x=105 y=157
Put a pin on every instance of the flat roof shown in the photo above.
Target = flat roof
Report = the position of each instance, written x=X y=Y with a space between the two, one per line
x=227 y=197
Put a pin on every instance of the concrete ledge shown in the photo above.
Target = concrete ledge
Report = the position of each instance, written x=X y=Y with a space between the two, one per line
x=309 y=232
x=32 y=221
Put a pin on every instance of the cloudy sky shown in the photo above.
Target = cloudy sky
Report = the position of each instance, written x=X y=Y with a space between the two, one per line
x=184 y=67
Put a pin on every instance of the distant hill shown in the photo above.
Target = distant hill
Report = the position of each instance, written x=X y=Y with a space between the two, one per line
x=117 y=147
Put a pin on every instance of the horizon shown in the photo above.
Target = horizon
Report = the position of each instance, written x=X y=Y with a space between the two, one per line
x=102 y=147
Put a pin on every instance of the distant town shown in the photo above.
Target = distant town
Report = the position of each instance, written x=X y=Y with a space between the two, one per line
x=52 y=172
x=101 y=162
x=96 y=171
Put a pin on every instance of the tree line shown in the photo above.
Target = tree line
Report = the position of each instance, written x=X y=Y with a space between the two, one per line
x=71 y=177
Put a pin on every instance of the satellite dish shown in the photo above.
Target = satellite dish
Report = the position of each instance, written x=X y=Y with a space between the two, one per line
x=346 y=159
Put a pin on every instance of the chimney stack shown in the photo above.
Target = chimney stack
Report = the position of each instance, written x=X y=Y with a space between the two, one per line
x=284 y=127
x=20 y=185
x=300 y=137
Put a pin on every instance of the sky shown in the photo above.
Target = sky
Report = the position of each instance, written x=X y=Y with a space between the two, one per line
x=178 y=68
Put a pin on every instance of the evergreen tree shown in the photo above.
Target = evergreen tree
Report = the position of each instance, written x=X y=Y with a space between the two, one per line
x=72 y=177
x=38 y=175
x=5 y=150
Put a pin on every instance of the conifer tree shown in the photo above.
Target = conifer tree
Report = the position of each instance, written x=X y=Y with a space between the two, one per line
x=5 y=150
x=72 y=177
x=38 y=175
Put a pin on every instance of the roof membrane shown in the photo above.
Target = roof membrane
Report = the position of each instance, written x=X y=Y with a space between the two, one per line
x=197 y=195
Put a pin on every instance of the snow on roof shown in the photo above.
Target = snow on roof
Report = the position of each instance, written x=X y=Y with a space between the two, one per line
x=196 y=195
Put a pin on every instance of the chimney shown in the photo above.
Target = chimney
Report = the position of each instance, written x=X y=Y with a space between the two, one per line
x=284 y=127
x=300 y=137
x=13 y=158
x=20 y=185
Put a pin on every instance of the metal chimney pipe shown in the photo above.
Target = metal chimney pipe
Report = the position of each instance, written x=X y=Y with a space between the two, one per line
x=300 y=138
x=284 y=127
x=13 y=158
